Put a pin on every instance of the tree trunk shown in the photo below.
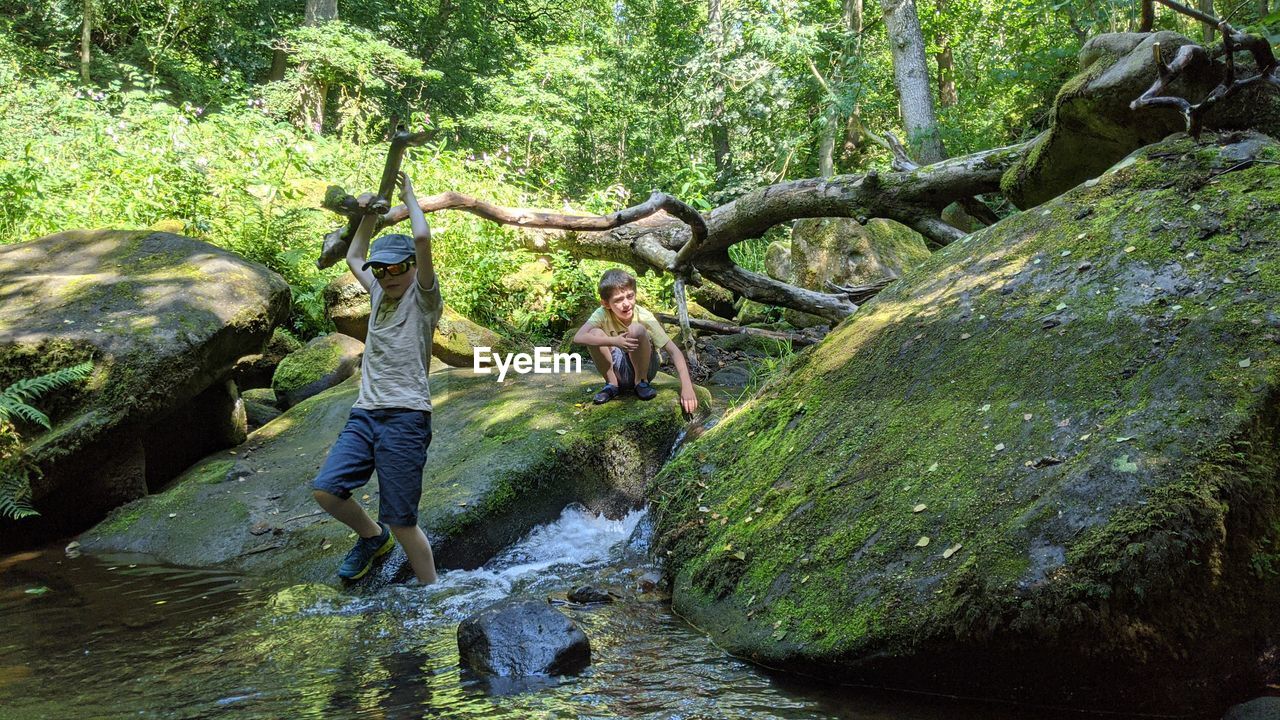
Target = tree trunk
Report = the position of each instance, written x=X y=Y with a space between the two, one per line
x=947 y=95
x=827 y=147
x=1206 y=7
x=86 y=31
x=911 y=75
x=853 y=16
x=719 y=131
x=279 y=63
x=318 y=12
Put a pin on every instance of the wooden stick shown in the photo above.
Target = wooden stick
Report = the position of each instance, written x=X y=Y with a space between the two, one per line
x=720 y=328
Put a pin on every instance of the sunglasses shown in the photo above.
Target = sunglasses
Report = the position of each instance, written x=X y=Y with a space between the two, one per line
x=399 y=268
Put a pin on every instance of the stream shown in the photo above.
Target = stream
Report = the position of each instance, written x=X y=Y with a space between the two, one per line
x=115 y=637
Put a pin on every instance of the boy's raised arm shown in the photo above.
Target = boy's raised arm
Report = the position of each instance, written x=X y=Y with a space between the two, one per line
x=421 y=233
x=358 y=250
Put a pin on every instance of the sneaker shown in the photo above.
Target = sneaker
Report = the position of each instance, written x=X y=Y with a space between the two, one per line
x=645 y=391
x=607 y=393
x=358 y=562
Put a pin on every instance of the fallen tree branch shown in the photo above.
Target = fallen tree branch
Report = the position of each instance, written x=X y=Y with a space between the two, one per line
x=335 y=247
x=666 y=235
x=796 y=339
x=1190 y=57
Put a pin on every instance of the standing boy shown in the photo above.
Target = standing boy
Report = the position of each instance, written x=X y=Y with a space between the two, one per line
x=633 y=336
x=389 y=428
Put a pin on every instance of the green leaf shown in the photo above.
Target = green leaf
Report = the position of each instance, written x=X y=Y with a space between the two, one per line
x=1123 y=464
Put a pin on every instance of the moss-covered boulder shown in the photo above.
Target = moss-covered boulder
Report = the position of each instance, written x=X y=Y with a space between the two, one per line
x=347 y=304
x=1043 y=464
x=842 y=251
x=505 y=457
x=163 y=318
x=712 y=297
x=256 y=370
x=777 y=261
x=1093 y=127
x=323 y=363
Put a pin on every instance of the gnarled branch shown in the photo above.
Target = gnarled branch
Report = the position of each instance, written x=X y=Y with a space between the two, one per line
x=665 y=235
x=1195 y=56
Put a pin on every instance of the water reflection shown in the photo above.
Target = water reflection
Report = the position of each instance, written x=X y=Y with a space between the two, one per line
x=113 y=637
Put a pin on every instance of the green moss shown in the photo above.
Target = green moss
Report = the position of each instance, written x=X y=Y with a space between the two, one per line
x=305 y=366
x=1010 y=386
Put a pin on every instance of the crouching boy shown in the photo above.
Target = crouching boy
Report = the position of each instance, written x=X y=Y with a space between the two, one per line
x=624 y=339
x=389 y=428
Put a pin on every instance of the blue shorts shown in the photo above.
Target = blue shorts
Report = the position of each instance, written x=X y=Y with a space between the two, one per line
x=626 y=372
x=393 y=442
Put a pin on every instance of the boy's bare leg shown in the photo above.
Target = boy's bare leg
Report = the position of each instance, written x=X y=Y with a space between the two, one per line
x=349 y=513
x=418 y=549
x=604 y=363
x=643 y=353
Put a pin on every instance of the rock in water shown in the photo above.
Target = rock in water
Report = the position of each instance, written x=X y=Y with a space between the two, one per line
x=522 y=639
x=587 y=595
x=1077 y=407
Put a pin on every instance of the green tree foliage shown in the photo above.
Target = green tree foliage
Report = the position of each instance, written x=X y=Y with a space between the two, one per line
x=592 y=103
x=15 y=407
x=364 y=78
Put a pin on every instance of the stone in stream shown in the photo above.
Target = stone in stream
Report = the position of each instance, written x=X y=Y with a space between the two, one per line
x=1041 y=466
x=588 y=595
x=522 y=638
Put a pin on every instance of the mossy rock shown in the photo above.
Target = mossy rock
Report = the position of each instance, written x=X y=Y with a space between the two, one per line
x=842 y=251
x=455 y=338
x=1041 y=466
x=255 y=371
x=1093 y=127
x=163 y=318
x=506 y=457
x=777 y=261
x=714 y=298
x=321 y=364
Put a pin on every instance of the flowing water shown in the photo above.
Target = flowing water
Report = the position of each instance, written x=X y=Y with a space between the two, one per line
x=110 y=637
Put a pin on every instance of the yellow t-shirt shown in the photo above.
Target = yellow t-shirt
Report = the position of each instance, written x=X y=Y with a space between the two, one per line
x=604 y=319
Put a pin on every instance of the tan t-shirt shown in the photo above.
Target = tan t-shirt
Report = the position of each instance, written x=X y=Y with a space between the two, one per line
x=397 y=352
x=604 y=319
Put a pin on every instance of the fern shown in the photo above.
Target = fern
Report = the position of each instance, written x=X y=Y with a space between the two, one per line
x=15 y=491
x=15 y=402
x=16 y=399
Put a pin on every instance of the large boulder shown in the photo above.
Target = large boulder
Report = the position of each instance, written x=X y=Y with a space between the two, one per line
x=522 y=638
x=842 y=251
x=163 y=318
x=323 y=363
x=1093 y=127
x=505 y=458
x=347 y=304
x=1048 y=458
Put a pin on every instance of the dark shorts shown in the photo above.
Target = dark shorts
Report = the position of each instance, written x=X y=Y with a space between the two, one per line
x=626 y=372
x=393 y=442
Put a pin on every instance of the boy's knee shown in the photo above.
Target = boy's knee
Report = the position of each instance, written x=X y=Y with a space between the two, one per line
x=636 y=330
x=324 y=496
